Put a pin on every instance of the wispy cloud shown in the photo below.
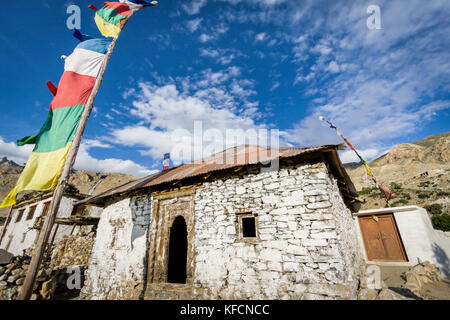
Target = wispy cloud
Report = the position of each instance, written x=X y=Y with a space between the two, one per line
x=261 y=36
x=194 y=6
x=84 y=160
x=194 y=24
x=220 y=100
x=222 y=56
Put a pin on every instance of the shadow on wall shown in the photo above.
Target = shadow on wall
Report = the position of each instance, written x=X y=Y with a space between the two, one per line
x=141 y=228
x=140 y=223
x=442 y=259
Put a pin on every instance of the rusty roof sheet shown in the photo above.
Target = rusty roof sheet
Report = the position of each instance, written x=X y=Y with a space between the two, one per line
x=229 y=158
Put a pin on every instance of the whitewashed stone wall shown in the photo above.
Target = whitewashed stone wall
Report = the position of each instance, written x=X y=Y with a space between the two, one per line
x=116 y=269
x=307 y=247
x=19 y=234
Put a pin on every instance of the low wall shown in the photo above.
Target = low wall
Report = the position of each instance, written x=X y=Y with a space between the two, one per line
x=420 y=240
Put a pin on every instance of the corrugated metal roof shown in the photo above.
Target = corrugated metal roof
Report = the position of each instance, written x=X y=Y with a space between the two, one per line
x=229 y=158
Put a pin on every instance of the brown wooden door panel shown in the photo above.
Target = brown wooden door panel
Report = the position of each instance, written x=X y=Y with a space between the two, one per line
x=381 y=238
x=391 y=239
x=374 y=247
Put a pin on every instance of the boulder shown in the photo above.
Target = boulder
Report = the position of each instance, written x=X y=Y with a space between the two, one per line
x=17 y=272
x=5 y=257
x=367 y=294
x=12 y=279
x=42 y=275
x=419 y=275
x=3 y=285
x=48 y=289
x=387 y=294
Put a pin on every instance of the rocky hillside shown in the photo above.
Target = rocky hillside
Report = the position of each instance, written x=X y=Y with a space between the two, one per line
x=418 y=172
x=84 y=181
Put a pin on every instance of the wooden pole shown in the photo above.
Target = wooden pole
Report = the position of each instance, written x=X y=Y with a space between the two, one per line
x=27 y=287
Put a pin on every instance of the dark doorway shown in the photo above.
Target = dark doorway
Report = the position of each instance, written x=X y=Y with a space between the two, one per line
x=177 y=251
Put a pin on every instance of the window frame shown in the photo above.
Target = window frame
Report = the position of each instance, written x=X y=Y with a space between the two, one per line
x=31 y=212
x=240 y=217
x=20 y=214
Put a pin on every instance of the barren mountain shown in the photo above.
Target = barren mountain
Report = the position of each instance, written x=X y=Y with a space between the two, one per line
x=84 y=181
x=418 y=172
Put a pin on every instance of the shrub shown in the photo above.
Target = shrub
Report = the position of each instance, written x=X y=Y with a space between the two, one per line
x=424 y=184
x=441 y=222
x=395 y=186
x=376 y=195
x=424 y=195
x=399 y=202
x=367 y=190
x=406 y=196
x=434 y=208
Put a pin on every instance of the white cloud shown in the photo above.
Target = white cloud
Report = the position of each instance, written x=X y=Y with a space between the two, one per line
x=322 y=49
x=194 y=24
x=222 y=56
x=169 y=113
x=194 y=6
x=205 y=37
x=15 y=153
x=376 y=85
x=83 y=161
x=275 y=85
x=333 y=67
x=209 y=52
x=367 y=154
x=215 y=32
x=261 y=36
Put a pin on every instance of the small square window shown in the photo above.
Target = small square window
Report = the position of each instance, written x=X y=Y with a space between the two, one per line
x=248 y=227
x=19 y=216
x=31 y=212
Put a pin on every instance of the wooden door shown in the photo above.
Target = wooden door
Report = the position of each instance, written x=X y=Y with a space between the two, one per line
x=381 y=238
x=166 y=208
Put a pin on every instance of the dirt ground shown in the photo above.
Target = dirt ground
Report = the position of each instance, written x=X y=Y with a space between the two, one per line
x=432 y=291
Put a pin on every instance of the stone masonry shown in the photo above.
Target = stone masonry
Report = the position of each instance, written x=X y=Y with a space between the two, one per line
x=306 y=247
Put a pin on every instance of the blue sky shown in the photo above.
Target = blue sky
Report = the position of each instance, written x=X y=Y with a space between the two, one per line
x=234 y=64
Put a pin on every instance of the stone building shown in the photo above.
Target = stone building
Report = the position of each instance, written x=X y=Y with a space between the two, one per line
x=247 y=223
x=26 y=217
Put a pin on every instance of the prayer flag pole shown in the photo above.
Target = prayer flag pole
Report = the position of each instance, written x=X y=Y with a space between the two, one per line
x=388 y=195
x=27 y=287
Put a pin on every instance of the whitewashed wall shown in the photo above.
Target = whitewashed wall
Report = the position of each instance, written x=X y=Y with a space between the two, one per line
x=307 y=247
x=117 y=263
x=21 y=235
x=95 y=211
x=420 y=240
